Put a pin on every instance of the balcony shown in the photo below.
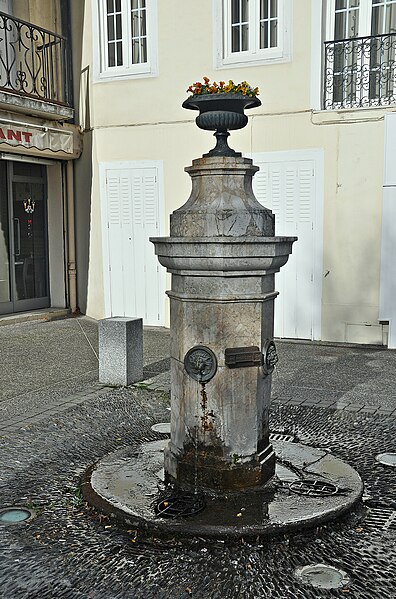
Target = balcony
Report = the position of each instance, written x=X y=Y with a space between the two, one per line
x=35 y=75
x=360 y=72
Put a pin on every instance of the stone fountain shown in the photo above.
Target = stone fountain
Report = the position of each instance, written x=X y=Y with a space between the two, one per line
x=223 y=254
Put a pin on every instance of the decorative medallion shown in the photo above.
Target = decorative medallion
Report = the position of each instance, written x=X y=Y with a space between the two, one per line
x=270 y=356
x=200 y=363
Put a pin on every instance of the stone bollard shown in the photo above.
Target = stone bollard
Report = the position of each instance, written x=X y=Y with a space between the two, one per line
x=120 y=350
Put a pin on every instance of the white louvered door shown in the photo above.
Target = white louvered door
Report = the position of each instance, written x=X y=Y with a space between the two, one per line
x=288 y=189
x=135 y=288
x=118 y=196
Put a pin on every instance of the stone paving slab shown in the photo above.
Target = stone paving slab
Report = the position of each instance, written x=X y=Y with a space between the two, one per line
x=45 y=363
x=52 y=408
x=36 y=355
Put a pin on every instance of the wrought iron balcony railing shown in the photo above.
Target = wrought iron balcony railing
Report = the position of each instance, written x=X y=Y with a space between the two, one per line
x=360 y=72
x=33 y=61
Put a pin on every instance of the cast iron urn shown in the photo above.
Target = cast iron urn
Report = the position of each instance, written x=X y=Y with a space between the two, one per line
x=221 y=113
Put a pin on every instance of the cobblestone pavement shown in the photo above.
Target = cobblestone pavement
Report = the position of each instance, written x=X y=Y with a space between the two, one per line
x=69 y=551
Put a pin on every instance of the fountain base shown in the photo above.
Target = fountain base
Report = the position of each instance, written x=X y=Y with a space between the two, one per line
x=206 y=468
x=310 y=487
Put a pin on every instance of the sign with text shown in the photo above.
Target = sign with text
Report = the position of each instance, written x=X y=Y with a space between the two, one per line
x=41 y=138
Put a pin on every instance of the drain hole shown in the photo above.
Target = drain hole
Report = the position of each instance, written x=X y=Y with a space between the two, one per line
x=14 y=515
x=313 y=488
x=281 y=437
x=180 y=506
x=322 y=576
x=380 y=518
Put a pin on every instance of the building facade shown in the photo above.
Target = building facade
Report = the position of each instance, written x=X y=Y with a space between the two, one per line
x=324 y=140
x=38 y=144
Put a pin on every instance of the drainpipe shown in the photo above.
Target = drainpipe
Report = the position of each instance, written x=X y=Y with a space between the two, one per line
x=71 y=238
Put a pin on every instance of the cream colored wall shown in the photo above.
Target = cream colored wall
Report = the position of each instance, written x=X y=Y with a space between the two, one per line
x=185 y=54
x=352 y=215
x=352 y=203
x=142 y=119
x=95 y=296
x=44 y=13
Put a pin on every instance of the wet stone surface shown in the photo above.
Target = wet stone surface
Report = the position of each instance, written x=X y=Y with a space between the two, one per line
x=131 y=482
x=70 y=552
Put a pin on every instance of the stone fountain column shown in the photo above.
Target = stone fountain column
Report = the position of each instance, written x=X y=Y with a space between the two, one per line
x=222 y=253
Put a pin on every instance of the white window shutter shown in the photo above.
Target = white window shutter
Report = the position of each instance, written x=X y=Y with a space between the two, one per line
x=150 y=200
x=305 y=192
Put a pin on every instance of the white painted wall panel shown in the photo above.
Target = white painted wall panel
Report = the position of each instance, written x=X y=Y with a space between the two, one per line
x=288 y=185
x=390 y=149
x=387 y=310
x=387 y=307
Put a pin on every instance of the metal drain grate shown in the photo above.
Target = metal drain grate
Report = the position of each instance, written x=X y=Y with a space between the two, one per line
x=281 y=437
x=180 y=506
x=313 y=488
x=322 y=576
x=380 y=518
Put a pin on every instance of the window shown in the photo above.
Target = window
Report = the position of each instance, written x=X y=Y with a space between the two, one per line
x=128 y=37
x=360 y=68
x=253 y=31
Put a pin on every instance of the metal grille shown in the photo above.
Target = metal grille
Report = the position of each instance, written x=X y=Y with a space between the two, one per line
x=33 y=61
x=180 y=506
x=381 y=518
x=360 y=72
x=281 y=437
x=313 y=488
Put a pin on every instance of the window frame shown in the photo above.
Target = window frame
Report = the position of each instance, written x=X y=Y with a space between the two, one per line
x=128 y=69
x=364 y=30
x=365 y=19
x=224 y=58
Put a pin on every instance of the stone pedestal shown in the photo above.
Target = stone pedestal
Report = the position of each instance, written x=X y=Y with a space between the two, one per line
x=222 y=254
x=120 y=350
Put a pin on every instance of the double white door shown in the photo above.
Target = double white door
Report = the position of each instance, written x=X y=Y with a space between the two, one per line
x=134 y=278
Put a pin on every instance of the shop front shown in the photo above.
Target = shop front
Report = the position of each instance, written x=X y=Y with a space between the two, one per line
x=35 y=197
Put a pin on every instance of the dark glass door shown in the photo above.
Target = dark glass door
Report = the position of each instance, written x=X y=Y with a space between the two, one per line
x=25 y=210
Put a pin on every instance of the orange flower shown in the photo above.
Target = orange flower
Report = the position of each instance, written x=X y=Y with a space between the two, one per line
x=231 y=88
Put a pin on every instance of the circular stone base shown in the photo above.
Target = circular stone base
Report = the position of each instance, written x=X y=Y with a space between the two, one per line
x=128 y=483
